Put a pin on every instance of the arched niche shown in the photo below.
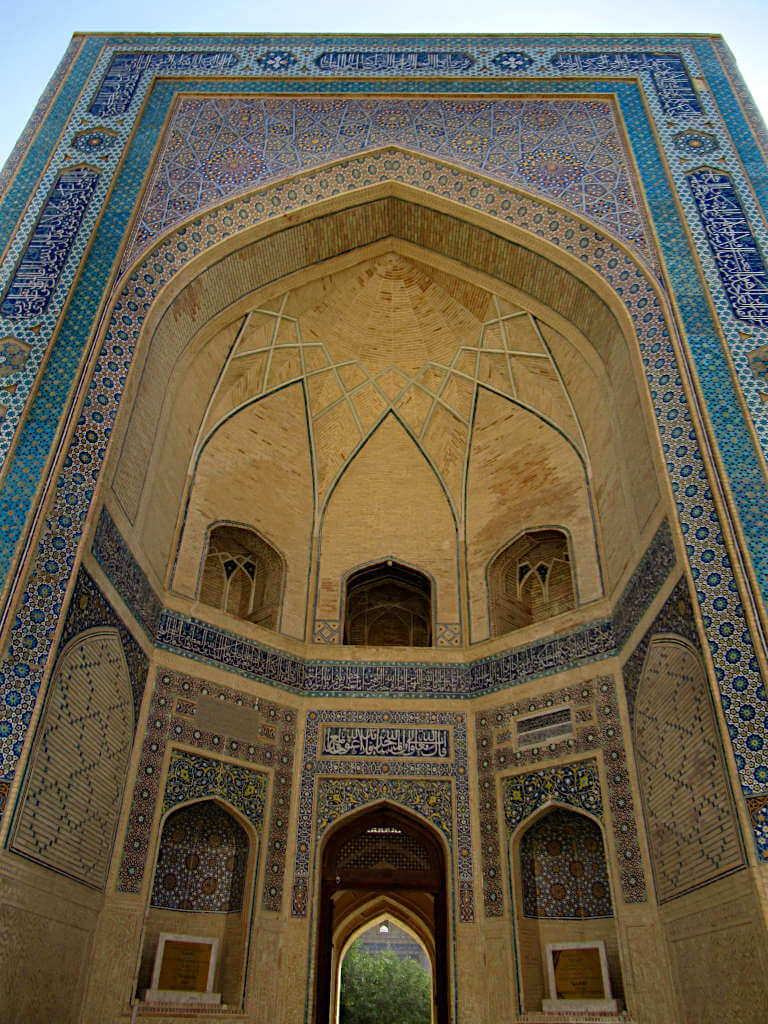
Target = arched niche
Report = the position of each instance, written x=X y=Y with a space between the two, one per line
x=242 y=574
x=690 y=816
x=388 y=604
x=74 y=785
x=202 y=885
x=381 y=860
x=211 y=364
x=530 y=579
x=561 y=892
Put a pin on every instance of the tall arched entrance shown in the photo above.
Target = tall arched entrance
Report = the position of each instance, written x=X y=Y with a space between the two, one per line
x=383 y=856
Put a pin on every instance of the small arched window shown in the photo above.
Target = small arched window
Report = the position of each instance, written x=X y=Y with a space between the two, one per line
x=242 y=575
x=530 y=580
x=388 y=605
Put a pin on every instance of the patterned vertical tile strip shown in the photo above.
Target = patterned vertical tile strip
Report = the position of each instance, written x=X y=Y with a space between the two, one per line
x=38 y=272
x=172 y=721
x=202 y=860
x=736 y=253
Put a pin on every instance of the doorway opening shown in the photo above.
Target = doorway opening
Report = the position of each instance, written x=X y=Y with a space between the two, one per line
x=383 y=867
x=385 y=976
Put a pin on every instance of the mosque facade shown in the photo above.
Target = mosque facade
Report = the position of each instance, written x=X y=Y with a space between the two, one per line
x=383 y=508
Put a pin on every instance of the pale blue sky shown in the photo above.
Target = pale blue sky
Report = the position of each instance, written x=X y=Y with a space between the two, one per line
x=36 y=32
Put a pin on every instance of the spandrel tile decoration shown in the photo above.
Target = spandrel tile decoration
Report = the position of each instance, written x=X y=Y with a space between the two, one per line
x=383 y=428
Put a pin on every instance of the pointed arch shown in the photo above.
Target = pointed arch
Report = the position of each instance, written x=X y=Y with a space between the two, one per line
x=381 y=848
x=73 y=789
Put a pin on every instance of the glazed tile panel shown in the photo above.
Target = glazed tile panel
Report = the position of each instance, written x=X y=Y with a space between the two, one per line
x=571 y=150
x=563 y=869
x=244 y=735
x=201 y=862
x=205 y=642
x=673 y=109
x=435 y=786
x=689 y=479
x=526 y=782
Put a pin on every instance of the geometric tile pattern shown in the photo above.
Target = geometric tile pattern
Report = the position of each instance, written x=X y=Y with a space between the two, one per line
x=74 y=787
x=687 y=473
x=112 y=553
x=217 y=147
x=597 y=727
x=693 y=830
x=201 y=862
x=739 y=155
x=206 y=642
x=563 y=869
x=330 y=786
x=577 y=785
x=265 y=739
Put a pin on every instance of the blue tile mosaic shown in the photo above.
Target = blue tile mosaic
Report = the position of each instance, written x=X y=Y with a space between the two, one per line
x=217 y=147
x=577 y=785
x=125 y=70
x=430 y=787
x=597 y=722
x=668 y=73
x=38 y=273
x=738 y=258
x=112 y=553
x=206 y=642
x=192 y=776
x=394 y=62
x=725 y=112
x=173 y=721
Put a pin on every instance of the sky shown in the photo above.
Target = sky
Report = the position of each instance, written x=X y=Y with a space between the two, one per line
x=36 y=32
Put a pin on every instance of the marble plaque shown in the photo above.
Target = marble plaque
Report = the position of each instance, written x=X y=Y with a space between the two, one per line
x=578 y=978
x=578 y=973
x=185 y=966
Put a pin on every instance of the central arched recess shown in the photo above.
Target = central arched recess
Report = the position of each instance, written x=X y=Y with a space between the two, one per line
x=382 y=855
x=523 y=380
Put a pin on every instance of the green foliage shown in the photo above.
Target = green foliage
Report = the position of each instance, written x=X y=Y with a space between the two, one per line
x=383 y=989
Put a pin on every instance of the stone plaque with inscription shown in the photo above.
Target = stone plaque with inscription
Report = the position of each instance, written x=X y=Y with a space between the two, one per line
x=578 y=974
x=184 y=970
x=578 y=977
x=185 y=966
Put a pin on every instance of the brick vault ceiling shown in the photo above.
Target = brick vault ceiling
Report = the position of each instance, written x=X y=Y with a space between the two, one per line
x=392 y=335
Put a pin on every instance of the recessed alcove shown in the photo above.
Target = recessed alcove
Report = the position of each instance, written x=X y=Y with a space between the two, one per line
x=201 y=887
x=390 y=404
x=388 y=605
x=562 y=894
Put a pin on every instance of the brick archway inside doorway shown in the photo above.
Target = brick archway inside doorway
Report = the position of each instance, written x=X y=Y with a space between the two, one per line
x=382 y=851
